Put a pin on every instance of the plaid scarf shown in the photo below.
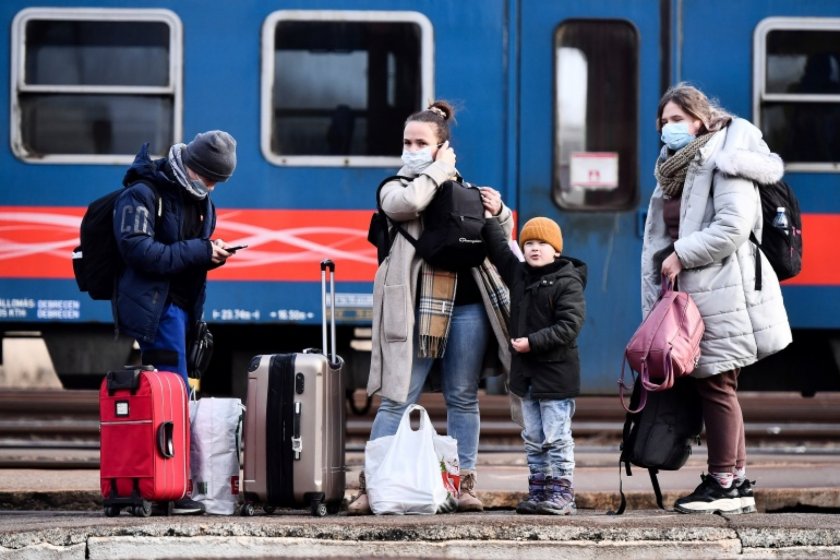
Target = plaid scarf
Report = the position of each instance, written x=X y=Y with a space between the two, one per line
x=498 y=292
x=437 y=300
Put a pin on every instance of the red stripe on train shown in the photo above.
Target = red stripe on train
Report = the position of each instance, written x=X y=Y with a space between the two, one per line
x=284 y=245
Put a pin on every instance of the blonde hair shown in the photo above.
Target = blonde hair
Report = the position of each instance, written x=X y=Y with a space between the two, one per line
x=695 y=103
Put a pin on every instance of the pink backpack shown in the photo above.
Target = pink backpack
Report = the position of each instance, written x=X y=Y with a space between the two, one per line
x=666 y=345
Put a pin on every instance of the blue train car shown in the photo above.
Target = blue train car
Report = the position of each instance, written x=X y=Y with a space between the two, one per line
x=556 y=99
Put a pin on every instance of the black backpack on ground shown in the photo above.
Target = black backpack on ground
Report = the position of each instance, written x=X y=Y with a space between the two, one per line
x=660 y=436
x=452 y=224
x=782 y=247
x=97 y=260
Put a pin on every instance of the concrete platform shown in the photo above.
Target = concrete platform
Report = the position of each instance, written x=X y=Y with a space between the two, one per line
x=492 y=535
x=787 y=480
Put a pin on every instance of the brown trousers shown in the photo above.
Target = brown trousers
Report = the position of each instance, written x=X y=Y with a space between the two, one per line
x=724 y=421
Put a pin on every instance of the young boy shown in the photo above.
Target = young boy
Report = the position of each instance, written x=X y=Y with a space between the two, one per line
x=546 y=314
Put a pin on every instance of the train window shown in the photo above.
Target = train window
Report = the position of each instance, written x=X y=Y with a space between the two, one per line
x=92 y=85
x=797 y=90
x=596 y=114
x=337 y=86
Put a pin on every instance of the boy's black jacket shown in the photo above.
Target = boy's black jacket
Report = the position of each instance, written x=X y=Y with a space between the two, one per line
x=547 y=305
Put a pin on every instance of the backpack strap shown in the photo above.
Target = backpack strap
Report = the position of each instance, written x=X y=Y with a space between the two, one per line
x=158 y=198
x=394 y=224
x=654 y=481
x=757 y=261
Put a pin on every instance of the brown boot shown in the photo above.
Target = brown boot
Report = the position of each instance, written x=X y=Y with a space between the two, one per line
x=360 y=505
x=468 y=501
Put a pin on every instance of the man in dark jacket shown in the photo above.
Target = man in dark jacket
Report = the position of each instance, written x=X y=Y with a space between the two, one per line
x=547 y=308
x=163 y=222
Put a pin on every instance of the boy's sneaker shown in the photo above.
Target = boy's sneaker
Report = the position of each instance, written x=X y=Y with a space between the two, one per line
x=745 y=493
x=187 y=506
x=559 y=497
x=710 y=497
x=536 y=494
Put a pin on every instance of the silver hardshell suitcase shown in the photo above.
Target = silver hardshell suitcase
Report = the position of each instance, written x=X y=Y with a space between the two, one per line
x=295 y=425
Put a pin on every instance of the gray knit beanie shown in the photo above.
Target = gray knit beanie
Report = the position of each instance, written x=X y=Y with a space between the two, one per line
x=212 y=155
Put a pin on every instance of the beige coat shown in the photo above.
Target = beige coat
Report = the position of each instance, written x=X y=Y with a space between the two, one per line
x=396 y=283
x=719 y=208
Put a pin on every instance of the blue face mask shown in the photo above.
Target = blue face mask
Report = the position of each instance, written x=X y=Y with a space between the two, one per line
x=418 y=161
x=676 y=135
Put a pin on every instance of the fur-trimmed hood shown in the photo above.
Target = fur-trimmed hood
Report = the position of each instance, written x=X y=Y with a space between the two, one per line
x=745 y=154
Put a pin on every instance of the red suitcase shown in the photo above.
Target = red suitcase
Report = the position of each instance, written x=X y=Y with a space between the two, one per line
x=144 y=440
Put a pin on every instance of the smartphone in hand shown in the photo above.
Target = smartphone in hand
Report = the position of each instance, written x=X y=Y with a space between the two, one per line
x=235 y=248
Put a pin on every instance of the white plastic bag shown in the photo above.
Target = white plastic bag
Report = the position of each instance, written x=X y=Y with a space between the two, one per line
x=403 y=471
x=215 y=435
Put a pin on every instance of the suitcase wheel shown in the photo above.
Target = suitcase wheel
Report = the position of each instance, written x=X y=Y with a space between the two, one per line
x=143 y=510
x=269 y=509
x=318 y=508
x=112 y=511
x=247 y=510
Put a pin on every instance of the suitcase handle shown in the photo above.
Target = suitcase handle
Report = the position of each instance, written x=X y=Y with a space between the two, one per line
x=166 y=445
x=128 y=378
x=328 y=264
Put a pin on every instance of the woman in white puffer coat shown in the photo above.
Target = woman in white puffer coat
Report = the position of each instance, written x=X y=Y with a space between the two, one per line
x=705 y=205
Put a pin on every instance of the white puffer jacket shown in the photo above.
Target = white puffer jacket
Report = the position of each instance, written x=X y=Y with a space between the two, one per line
x=720 y=206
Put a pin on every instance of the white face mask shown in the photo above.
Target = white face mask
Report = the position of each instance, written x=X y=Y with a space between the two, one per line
x=418 y=161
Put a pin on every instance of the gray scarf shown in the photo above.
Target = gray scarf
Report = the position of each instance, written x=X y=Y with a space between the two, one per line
x=180 y=172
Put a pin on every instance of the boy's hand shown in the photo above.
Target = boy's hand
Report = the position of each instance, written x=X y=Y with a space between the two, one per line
x=521 y=345
x=220 y=253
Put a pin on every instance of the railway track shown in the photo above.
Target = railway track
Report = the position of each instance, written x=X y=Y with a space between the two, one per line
x=60 y=428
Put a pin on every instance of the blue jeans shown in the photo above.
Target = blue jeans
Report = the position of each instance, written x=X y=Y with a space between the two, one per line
x=469 y=332
x=549 y=446
x=169 y=350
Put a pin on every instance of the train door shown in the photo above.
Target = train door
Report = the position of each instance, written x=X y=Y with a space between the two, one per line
x=588 y=88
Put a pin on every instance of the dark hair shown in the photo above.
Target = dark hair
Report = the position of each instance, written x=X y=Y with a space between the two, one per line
x=695 y=103
x=438 y=114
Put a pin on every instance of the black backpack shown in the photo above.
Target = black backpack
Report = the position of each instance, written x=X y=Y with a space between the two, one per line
x=97 y=260
x=452 y=224
x=381 y=230
x=660 y=436
x=783 y=248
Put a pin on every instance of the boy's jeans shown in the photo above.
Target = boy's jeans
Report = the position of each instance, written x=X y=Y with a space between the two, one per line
x=461 y=370
x=548 y=436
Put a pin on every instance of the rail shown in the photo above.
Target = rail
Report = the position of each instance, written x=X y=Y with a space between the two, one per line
x=60 y=428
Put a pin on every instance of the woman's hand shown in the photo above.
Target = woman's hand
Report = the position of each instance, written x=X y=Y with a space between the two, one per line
x=446 y=153
x=672 y=266
x=521 y=345
x=492 y=200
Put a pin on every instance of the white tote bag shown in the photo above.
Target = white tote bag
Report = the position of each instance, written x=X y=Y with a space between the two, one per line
x=403 y=471
x=215 y=436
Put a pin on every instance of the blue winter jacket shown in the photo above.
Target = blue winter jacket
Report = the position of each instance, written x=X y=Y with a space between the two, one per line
x=154 y=250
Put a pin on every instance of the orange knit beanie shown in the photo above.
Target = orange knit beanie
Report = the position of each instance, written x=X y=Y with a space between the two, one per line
x=542 y=229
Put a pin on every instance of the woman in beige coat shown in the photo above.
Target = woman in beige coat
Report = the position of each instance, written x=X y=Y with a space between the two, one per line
x=705 y=205
x=410 y=334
